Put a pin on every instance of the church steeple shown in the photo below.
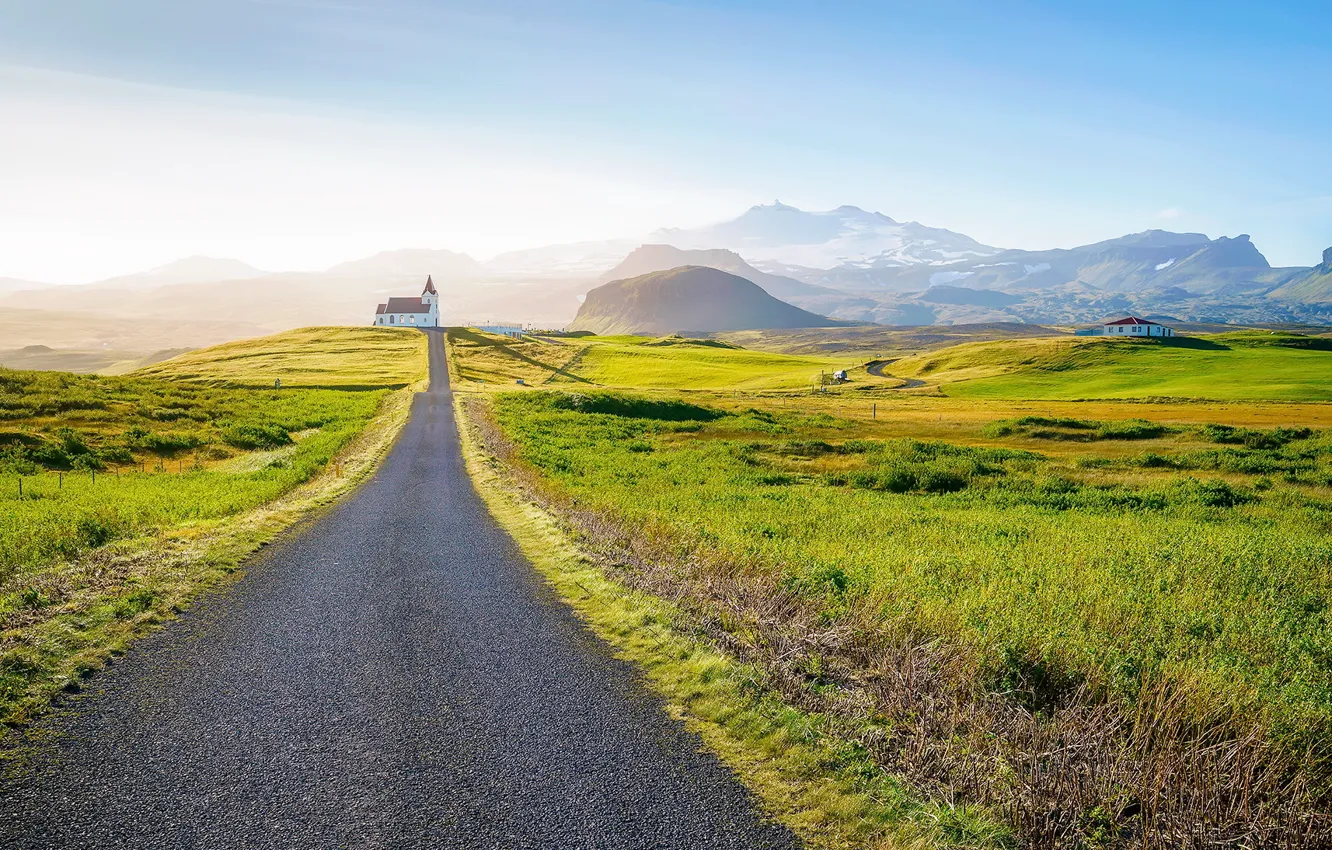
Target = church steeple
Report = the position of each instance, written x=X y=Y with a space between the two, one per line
x=429 y=287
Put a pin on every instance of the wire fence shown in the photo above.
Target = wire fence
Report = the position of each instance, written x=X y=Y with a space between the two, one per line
x=45 y=482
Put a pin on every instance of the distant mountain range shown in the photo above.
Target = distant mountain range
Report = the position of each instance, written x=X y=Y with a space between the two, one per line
x=866 y=266
x=845 y=263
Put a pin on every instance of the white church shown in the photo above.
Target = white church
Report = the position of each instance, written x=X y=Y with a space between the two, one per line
x=420 y=312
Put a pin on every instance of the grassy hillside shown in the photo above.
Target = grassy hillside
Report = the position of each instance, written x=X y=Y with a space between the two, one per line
x=687 y=299
x=1313 y=287
x=878 y=340
x=309 y=357
x=1043 y=605
x=102 y=478
x=1254 y=365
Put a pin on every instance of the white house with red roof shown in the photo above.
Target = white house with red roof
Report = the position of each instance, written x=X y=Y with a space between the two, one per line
x=1129 y=326
x=420 y=312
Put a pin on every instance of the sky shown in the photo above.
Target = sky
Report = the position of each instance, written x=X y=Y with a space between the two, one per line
x=296 y=134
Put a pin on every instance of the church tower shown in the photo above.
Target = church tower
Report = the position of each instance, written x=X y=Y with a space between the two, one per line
x=430 y=297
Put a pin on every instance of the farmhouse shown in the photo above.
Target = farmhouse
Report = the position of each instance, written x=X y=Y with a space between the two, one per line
x=1129 y=326
x=420 y=312
x=510 y=329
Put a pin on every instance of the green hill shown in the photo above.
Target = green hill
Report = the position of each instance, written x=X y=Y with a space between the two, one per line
x=687 y=299
x=1249 y=365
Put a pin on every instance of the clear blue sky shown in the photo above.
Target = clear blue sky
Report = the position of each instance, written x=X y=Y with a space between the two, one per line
x=1022 y=124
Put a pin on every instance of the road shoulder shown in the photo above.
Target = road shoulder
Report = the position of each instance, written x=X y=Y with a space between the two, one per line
x=821 y=787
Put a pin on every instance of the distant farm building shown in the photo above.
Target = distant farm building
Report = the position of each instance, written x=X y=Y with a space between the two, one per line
x=1128 y=326
x=420 y=312
x=502 y=328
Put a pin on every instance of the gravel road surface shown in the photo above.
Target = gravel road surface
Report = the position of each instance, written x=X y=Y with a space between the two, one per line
x=394 y=674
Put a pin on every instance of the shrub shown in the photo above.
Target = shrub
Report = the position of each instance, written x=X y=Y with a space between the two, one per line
x=1254 y=438
x=255 y=435
x=1134 y=429
x=142 y=438
x=629 y=406
x=1211 y=493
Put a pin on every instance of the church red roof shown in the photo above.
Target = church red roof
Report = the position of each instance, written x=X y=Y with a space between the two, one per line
x=429 y=287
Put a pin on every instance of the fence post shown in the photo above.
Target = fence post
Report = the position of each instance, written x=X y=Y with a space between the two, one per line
x=874 y=411
x=60 y=480
x=94 y=475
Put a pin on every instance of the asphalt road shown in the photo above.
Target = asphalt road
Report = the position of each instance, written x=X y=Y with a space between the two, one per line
x=394 y=674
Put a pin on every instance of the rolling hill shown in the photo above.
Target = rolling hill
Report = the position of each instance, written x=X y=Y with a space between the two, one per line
x=688 y=298
x=1243 y=365
x=655 y=258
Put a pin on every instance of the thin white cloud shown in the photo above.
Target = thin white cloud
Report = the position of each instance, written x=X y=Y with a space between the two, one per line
x=104 y=177
x=1169 y=214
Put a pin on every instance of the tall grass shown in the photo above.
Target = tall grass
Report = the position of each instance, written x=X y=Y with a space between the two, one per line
x=102 y=458
x=1105 y=657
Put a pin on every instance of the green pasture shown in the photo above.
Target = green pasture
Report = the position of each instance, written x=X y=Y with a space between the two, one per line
x=1240 y=366
x=696 y=365
x=637 y=362
x=1210 y=567
x=106 y=458
x=346 y=358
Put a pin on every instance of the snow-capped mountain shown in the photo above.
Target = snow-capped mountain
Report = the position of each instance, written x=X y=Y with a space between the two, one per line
x=845 y=237
x=774 y=236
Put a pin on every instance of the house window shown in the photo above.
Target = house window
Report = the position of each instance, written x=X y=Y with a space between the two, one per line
x=413 y=319
x=390 y=320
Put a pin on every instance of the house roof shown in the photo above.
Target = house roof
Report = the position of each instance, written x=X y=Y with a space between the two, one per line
x=429 y=287
x=406 y=305
x=1131 y=320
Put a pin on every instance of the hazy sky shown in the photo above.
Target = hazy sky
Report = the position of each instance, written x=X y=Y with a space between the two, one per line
x=301 y=133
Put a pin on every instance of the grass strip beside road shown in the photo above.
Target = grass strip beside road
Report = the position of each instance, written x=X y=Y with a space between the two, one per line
x=114 y=594
x=807 y=772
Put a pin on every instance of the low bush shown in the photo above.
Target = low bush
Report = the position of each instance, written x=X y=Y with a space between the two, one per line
x=255 y=435
x=628 y=406
x=1075 y=430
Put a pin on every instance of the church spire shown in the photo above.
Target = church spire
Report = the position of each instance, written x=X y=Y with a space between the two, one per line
x=429 y=287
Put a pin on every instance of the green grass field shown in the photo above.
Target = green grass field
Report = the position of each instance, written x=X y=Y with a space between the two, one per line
x=638 y=362
x=1148 y=584
x=1235 y=366
x=339 y=358
x=95 y=466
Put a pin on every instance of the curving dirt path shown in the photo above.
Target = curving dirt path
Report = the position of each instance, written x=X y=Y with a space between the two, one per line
x=876 y=369
x=394 y=674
